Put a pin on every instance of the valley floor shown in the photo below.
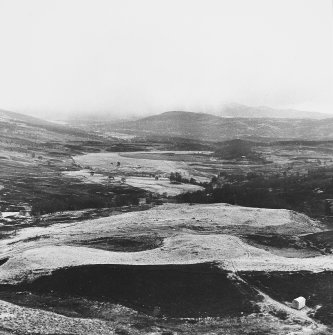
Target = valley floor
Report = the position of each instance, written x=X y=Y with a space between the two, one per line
x=100 y=254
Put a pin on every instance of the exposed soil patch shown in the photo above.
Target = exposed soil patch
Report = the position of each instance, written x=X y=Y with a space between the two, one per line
x=174 y=290
x=124 y=244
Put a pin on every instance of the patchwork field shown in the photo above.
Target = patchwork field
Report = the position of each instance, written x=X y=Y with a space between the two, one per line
x=132 y=164
x=98 y=255
x=292 y=157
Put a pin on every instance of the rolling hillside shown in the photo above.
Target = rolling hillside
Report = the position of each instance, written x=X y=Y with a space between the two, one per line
x=19 y=131
x=214 y=128
x=8 y=116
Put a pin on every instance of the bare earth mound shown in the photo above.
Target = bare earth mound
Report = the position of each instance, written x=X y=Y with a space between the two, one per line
x=166 y=262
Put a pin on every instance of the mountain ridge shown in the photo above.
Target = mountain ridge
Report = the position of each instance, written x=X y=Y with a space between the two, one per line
x=214 y=128
x=25 y=129
x=6 y=115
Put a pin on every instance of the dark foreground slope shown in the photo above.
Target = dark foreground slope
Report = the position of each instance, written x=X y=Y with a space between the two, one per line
x=178 y=291
x=196 y=290
x=202 y=277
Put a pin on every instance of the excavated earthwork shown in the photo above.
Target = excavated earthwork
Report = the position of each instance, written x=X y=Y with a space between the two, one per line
x=172 y=290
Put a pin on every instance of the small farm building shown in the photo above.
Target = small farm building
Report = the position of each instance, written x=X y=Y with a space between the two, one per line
x=298 y=303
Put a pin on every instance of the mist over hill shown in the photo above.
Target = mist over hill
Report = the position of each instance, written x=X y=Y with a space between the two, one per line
x=187 y=125
x=25 y=131
x=8 y=116
x=214 y=128
x=243 y=111
x=231 y=110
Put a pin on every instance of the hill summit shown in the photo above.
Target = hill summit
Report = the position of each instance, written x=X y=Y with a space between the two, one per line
x=214 y=128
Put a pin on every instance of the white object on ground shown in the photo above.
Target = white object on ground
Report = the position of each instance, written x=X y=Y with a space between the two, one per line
x=298 y=303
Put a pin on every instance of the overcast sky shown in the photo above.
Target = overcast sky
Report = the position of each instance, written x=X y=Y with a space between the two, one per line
x=59 y=57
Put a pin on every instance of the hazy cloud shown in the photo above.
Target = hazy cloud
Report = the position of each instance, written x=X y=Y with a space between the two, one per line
x=128 y=56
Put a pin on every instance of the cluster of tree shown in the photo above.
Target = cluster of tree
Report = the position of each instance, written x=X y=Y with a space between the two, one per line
x=128 y=147
x=92 y=199
x=237 y=149
x=176 y=177
x=298 y=193
x=44 y=206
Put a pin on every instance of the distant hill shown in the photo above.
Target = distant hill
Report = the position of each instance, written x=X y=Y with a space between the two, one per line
x=215 y=128
x=243 y=111
x=231 y=110
x=19 y=130
x=7 y=116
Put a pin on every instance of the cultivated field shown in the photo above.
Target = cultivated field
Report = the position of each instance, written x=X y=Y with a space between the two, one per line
x=140 y=169
x=99 y=255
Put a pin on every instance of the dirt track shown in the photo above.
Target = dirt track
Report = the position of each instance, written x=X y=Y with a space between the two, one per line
x=171 y=235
